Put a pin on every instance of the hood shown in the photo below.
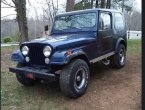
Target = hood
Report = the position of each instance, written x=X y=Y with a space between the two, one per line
x=66 y=41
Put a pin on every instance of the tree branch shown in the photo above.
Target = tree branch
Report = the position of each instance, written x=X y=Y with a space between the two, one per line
x=48 y=4
x=7 y=20
x=7 y=7
x=6 y=3
x=29 y=3
x=7 y=15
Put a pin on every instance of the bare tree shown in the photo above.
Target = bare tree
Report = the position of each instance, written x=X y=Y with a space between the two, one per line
x=3 y=17
x=108 y=5
x=49 y=11
x=97 y=3
x=8 y=4
x=69 y=5
x=122 y=5
x=21 y=18
x=102 y=3
x=92 y=3
x=8 y=27
x=133 y=20
x=125 y=5
x=20 y=7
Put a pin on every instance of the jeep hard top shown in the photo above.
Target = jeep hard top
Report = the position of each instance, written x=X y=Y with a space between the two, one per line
x=76 y=40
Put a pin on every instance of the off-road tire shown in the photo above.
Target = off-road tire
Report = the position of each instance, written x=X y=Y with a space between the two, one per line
x=115 y=60
x=23 y=80
x=68 y=78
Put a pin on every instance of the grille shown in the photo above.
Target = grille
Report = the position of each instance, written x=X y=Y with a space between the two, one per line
x=36 y=54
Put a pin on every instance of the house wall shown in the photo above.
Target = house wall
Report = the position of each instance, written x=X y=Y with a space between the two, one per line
x=134 y=34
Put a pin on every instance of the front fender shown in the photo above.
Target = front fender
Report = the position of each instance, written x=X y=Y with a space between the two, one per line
x=17 y=56
x=62 y=58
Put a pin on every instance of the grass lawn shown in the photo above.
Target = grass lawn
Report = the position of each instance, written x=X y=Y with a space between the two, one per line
x=14 y=96
x=134 y=46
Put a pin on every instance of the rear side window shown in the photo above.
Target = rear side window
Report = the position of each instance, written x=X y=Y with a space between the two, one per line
x=119 y=22
x=105 y=21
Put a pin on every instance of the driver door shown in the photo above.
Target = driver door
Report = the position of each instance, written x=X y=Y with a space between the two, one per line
x=105 y=33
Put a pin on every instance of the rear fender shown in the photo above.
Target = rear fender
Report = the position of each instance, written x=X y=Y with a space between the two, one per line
x=120 y=41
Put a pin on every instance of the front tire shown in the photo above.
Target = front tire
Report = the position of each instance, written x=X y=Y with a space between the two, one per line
x=119 y=59
x=74 y=78
x=24 y=80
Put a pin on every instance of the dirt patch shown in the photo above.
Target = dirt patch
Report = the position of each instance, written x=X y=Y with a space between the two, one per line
x=112 y=89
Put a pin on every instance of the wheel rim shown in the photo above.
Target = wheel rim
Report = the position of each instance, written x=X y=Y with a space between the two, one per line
x=122 y=56
x=80 y=78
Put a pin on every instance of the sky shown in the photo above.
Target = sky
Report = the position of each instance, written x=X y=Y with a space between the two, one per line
x=138 y=4
x=31 y=6
x=37 y=4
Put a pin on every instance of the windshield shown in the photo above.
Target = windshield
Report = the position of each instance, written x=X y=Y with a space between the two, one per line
x=74 y=23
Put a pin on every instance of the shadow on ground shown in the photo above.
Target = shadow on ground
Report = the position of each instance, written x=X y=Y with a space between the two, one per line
x=52 y=89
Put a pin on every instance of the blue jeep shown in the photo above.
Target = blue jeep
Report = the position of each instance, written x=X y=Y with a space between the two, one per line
x=77 y=40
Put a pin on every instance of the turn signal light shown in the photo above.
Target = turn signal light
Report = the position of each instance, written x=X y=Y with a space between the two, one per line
x=69 y=53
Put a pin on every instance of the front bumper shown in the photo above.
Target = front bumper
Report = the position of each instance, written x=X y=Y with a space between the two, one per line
x=34 y=73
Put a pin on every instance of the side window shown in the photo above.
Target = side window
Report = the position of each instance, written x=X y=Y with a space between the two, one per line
x=119 y=23
x=105 y=21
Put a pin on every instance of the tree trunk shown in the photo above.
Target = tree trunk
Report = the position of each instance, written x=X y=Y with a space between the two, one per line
x=102 y=3
x=22 y=20
x=69 y=5
x=92 y=3
x=122 y=5
x=108 y=5
x=96 y=4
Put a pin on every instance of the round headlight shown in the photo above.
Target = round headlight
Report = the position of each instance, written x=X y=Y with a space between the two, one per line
x=25 y=50
x=47 y=51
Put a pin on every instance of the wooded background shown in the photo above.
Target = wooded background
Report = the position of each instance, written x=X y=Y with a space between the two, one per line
x=25 y=28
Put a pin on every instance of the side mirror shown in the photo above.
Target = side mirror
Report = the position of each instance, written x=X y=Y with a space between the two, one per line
x=46 y=28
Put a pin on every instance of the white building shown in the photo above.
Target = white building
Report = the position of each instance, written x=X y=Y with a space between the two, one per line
x=134 y=34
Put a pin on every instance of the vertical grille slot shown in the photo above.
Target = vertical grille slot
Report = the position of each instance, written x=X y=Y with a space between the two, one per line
x=36 y=54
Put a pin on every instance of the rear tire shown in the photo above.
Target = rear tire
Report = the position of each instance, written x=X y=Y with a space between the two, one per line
x=74 y=78
x=24 y=80
x=119 y=59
